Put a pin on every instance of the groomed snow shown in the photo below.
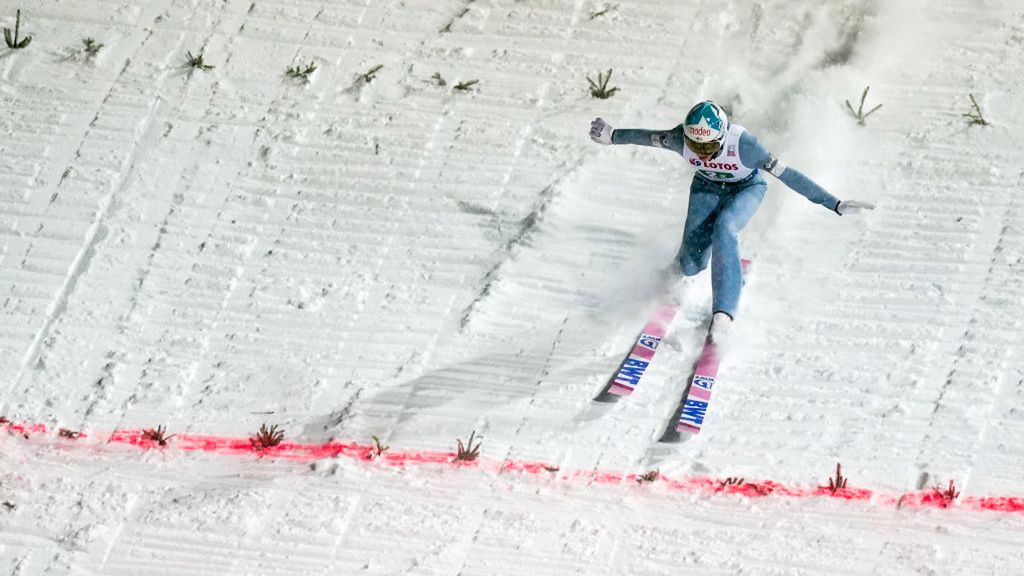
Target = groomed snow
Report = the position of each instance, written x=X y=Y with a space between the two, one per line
x=215 y=250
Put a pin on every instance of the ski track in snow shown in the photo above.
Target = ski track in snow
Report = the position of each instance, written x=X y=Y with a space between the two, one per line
x=213 y=250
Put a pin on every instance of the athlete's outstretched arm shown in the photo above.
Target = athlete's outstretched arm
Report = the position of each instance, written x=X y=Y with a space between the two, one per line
x=752 y=153
x=603 y=133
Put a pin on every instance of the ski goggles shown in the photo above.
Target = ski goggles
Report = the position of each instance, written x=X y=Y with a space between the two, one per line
x=703 y=148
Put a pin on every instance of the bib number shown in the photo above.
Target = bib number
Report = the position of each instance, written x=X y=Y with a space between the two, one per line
x=717 y=175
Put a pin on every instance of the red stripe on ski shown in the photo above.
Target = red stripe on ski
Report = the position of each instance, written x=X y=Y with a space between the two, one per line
x=700 y=393
x=620 y=390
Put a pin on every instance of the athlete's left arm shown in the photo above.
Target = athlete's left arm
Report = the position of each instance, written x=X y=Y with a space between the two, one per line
x=752 y=153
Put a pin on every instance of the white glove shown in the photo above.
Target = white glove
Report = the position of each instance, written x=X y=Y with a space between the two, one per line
x=853 y=207
x=600 y=132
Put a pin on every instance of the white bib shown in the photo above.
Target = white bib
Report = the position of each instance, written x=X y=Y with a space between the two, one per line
x=726 y=166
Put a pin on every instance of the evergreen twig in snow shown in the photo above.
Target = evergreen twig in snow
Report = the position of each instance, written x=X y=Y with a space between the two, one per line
x=196 y=62
x=975 y=115
x=649 y=476
x=157 y=435
x=300 y=73
x=372 y=74
x=948 y=495
x=860 y=115
x=599 y=89
x=91 y=47
x=15 y=42
x=378 y=449
x=839 y=482
x=467 y=452
x=730 y=481
x=607 y=9
x=267 y=437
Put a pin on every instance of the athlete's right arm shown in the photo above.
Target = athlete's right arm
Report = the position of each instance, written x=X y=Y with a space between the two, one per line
x=603 y=133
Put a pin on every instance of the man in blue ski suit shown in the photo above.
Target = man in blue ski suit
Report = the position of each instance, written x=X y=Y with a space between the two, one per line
x=724 y=194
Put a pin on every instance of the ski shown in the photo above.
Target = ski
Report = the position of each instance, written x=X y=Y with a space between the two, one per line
x=633 y=368
x=688 y=418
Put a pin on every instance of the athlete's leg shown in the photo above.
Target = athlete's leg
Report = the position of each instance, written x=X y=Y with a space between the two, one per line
x=700 y=224
x=726 y=269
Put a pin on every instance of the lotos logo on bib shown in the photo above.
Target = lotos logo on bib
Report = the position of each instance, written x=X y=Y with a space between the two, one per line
x=714 y=165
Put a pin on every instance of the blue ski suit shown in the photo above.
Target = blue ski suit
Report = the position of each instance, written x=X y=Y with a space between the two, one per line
x=719 y=210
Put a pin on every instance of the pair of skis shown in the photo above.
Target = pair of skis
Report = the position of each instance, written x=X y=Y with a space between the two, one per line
x=688 y=417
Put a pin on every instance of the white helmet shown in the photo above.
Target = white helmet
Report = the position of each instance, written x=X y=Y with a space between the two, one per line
x=705 y=128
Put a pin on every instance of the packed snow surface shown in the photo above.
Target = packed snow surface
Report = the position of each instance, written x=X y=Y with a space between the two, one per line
x=419 y=241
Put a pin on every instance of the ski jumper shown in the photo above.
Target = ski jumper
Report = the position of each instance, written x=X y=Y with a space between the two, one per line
x=724 y=195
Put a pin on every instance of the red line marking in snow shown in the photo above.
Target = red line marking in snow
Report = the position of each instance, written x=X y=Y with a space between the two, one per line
x=26 y=430
x=231 y=446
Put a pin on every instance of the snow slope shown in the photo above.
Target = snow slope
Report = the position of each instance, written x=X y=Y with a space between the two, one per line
x=215 y=250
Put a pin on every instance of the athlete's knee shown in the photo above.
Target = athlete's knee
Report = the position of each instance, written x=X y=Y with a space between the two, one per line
x=692 y=253
x=691 y=265
x=691 y=268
